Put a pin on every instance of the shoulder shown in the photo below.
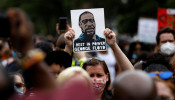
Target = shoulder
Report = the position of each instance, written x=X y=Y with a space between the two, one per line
x=99 y=38
x=79 y=39
x=107 y=95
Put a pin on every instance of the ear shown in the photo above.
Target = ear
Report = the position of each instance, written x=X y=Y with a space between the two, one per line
x=62 y=68
x=157 y=48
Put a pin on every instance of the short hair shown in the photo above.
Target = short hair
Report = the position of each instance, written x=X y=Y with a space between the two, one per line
x=59 y=57
x=94 y=62
x=134 y=85
x=44 y=46
x=162 y=31
x=156 y=67
x=156 y=62
x=72 y=71
x=86 y=12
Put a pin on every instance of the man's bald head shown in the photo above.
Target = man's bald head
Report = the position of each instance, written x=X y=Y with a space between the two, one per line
x=134 y=85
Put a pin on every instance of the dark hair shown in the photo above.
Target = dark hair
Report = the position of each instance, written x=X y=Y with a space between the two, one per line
x=156 y=62
x=133 y=48
x=59 y=57
x=12 y=74
x=156 y=67
x=94 y=62
x=86 y=12
x=162 y=31
x=6 y=85
x=44 y=46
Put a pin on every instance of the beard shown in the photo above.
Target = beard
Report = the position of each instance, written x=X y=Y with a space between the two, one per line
x=90 y=31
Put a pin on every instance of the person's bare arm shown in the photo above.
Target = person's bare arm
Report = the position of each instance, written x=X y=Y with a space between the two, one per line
x=21 y=40
x=69 y=36
x=122 y=60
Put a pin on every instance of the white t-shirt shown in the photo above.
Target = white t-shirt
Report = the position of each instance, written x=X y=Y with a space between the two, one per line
x=110 y=60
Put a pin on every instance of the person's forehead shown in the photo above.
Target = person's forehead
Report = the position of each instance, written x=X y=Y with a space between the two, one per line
x=17 y=78
x=166 y=36
x=87 y=16
x=96 y=68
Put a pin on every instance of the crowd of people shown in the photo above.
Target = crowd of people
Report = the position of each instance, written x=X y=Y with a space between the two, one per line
x=45 y=68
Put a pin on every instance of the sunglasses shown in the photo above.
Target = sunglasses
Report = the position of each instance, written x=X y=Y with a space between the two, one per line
x=19 y=85
x=96 y=58
x=162 y=75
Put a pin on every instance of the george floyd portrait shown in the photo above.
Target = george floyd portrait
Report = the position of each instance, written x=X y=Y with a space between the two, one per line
x=89 y=39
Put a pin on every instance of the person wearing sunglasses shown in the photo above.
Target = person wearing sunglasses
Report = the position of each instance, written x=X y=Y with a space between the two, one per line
x=18 y=80
x=164 y=84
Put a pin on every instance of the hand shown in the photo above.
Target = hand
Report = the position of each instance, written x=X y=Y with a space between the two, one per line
x=110 y=37
x=69 y=36
x=21 y=30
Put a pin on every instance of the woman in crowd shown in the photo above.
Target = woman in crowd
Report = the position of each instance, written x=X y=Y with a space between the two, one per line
x=164 y=85
x=19 y=86
x=100 y=77
x=97 y=68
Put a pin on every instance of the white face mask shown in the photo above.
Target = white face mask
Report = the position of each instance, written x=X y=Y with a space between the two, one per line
x=19 y=90
x=167 y=48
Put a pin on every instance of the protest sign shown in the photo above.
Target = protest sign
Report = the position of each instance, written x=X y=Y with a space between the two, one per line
x=147 y=30
x=89 y=26
x=166 y=18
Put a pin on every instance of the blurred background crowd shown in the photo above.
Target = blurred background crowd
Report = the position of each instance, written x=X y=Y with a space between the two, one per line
x=37 y=62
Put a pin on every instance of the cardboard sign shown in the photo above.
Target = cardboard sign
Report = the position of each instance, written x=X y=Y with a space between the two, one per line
x=166 y=18
x=147 y=30
x=89 y=26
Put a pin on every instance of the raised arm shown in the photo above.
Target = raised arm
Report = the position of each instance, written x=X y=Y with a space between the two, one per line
x=35 y=70
x=69 y=36
x=123 y=61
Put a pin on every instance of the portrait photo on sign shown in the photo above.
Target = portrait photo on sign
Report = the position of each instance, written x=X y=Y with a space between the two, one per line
x=89 y=25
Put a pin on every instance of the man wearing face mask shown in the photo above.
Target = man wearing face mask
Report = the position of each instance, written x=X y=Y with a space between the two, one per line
x=166 y=41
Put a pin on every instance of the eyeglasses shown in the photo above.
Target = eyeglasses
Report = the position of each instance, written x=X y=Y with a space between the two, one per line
x=162 y=75
x=96 y=58
x=19 y=85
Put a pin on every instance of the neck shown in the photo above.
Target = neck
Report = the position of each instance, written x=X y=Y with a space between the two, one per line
x=99 y=96
x=94 y=37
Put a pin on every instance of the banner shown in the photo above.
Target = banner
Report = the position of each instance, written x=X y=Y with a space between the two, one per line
x=147 y=30
x=166 y=18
